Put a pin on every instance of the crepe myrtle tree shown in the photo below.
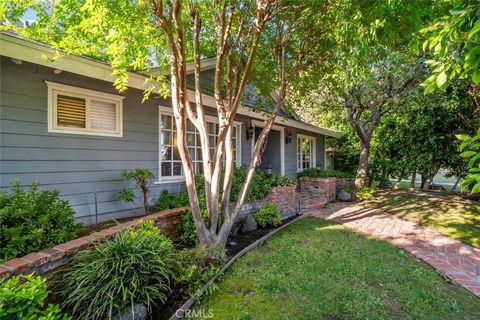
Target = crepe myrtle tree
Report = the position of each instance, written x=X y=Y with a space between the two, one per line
x=281 y=32
x=290 y=36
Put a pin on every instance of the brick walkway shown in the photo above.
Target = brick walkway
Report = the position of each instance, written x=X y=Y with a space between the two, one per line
x=458 y=261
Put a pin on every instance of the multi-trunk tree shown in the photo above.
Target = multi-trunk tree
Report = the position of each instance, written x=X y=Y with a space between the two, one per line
x=269 y=42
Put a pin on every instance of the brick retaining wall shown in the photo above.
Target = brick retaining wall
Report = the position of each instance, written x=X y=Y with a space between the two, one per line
x=324 y=187
x=168 y=221
x=49 y=259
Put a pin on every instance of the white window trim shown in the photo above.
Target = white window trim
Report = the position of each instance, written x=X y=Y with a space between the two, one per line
x=261 y=124
x=57 y=88
x=163 y=110
x=314 y=147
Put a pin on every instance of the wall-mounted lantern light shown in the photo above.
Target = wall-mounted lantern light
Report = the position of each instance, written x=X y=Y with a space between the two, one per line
x=250 y=132
x=288 y=138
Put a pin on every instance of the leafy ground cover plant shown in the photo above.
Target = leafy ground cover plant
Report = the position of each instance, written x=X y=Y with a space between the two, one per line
x=23 y=297
x=33 y=220
x=135 y=267
x=268 y=215
x=143 y=179
x=169 y=201
x=365 y=193
x=196 y=266
x=324 y=173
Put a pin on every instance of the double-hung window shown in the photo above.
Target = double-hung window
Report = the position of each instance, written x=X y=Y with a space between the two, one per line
x=305 y=152
x=170 y=163
x=83 y=111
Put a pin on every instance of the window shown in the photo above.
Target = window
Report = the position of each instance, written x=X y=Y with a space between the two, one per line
x=82 y=111
x=305 y=152
x=170 y=163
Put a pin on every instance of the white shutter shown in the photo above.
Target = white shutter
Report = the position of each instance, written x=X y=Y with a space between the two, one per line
x=103 y=115
x=70 y=112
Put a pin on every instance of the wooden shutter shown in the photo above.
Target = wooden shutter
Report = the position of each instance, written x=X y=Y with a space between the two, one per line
x=70 y=112
x=103 y=115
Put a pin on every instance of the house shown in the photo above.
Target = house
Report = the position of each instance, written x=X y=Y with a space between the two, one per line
x=64 y=125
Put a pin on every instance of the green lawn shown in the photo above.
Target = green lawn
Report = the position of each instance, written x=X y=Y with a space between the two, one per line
x=320 y=270
x=449 y=214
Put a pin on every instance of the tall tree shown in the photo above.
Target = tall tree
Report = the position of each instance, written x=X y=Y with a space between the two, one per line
x=290 y=36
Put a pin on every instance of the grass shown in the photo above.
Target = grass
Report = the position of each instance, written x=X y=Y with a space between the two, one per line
x=320 y=270
x=449 y=214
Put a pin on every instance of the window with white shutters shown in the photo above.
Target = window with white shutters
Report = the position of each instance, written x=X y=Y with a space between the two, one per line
x=82 y=111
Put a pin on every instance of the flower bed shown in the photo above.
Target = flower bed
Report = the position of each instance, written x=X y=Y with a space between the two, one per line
x=47 y=260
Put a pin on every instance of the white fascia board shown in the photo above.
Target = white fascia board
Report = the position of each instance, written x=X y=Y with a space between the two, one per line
x=30 y=51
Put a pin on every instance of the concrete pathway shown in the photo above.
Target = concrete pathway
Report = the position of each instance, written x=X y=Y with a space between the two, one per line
x=458 y=261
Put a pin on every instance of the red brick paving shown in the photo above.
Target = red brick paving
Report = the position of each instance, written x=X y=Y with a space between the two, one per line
x=456 y=260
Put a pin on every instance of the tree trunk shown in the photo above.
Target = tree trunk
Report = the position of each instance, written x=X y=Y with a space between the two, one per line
x=383 y=177
x=454 y=188
x=423 y=180
x=412 y=180
x=362 y=165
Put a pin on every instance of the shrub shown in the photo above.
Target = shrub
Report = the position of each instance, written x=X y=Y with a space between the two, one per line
x=268 y=215
x=135 y=267
x=324 y=173
x=23 y=297
x=33 y=220
x=169 y=201
x=143 y=179
x=365 y=193
x=196 y=266
x=187 y=227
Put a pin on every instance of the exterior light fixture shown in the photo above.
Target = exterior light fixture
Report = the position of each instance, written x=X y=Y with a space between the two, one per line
x=288 y=138
x=250 y=132
x=17 y=61
x=57 y=71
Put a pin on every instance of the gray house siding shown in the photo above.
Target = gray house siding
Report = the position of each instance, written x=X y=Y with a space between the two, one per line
x=83 y=167
x=76 y=165
x=291 y=151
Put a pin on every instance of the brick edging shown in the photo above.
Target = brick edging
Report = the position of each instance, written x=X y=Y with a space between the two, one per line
x=33 y=262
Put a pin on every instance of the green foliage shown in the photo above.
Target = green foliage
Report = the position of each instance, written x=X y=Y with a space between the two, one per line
x=454 y=42
x=187 y=227
x=268 y=215
x=365 y=193
x=143 y=179
x=135 y=267
x=169 y=201
x=261 y=185
x=33 y=220
x=470 y=148
x=196 y=266
x=324 y=173
x=23 y=297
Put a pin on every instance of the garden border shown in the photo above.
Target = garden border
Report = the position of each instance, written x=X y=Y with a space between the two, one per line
x=180 y=312
x=50 y=259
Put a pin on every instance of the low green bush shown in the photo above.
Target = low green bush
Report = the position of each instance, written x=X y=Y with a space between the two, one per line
x=365 y=193
x=268 y=215
x=324 y=173
x=170 y=201
x=196 y=266
x=108 y=277
x=187 y=227
x=33 y=220
x=23 y=297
